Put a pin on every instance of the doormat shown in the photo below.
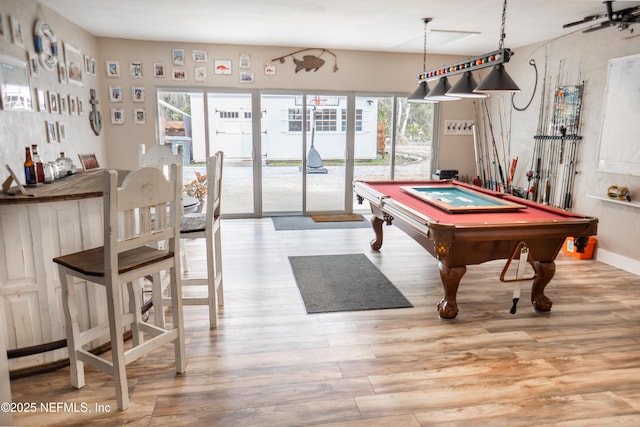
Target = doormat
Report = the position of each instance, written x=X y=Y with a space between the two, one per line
x=349 y=282
x=307 y=223
x=337 y=217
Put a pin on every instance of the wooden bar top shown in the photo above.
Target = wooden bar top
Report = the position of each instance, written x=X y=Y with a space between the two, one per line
x=82 y=185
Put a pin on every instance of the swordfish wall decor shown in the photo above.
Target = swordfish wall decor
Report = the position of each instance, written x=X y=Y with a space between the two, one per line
x=309 y=62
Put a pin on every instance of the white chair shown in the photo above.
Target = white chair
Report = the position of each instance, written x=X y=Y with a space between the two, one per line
x=195 y=226
x=139 y=217
x=207 y=226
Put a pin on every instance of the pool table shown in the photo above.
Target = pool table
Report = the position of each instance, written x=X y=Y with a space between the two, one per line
x=458 y=238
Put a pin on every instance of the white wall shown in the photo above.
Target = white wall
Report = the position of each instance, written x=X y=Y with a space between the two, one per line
x=19 y=129
x=569 y=61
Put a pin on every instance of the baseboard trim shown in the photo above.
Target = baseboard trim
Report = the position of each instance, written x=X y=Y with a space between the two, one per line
x=619 y=261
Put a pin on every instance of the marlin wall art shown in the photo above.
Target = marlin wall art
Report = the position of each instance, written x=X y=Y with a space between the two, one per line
x=309 y=62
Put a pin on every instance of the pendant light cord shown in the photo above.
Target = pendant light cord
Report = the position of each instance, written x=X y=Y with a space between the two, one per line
x=502 y=27
x=424 y=51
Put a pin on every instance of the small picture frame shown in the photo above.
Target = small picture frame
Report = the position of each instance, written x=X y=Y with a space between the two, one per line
x=115 y=94
x=88 y=162
x=73 y=105
x=199 y=56
x=179 y=74
x=64 y=107
x=135 y=68
x=34 y=65
x=246 y=77
x=16 y=31
x=87 y=65
x=62 y=73
x=159 y=70
x=269 y=70
x=117 y=116
x=53 y=102
x=200 y=74
x=113 y=68
x=41 y=98
x=94 y=65
x=80 y=106
x=222 y=66
x=62 y=132
x=139 y=116
x=244 y=61
x=137 y=94
x=23 y=190
x=177 y=56
x=52 y=131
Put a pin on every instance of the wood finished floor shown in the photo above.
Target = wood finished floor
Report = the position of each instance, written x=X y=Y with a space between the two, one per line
x=271 y=364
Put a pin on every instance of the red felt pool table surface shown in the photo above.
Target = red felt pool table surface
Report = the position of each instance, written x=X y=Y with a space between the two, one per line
x=532 y=212
x=458 y=239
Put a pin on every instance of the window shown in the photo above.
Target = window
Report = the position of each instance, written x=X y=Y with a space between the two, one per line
x=295 y=119
x=228 y=114
x=358 y=120
x=326 y=120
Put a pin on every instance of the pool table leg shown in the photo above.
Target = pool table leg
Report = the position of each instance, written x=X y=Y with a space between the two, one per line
x=448 y=307
x=544 y=273
x=377 y=224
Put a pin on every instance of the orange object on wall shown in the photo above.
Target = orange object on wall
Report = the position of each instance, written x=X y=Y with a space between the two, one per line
x=570 y=249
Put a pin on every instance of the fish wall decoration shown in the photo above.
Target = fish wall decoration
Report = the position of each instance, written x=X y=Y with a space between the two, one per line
x=309 y=62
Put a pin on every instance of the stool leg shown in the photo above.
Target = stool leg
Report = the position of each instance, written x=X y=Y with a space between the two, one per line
x=114 y=308
x=156 y=296
x=218 y=265
x=135 y=309
x=177 y=318
x=212 y=295
x=72 y=326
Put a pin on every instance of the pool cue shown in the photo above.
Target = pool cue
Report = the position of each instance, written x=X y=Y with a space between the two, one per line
x=495 y=148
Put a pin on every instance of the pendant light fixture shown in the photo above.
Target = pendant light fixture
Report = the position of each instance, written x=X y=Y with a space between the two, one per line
x=439 y=91
x=498 y=81
x=464 y=87
x=420 y=93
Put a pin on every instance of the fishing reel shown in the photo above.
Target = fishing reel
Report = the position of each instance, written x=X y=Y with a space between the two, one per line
x=619 y=193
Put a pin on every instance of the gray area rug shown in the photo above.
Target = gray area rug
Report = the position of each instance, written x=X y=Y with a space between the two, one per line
x=350 y=282
x=307 y=223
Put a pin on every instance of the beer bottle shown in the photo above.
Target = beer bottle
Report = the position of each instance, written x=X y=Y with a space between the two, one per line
x=30 y=176
x=38 y=162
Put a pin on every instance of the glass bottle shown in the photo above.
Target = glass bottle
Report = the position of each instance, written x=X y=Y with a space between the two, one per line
x=65 y=165
x=38 y=162
x=30 y=176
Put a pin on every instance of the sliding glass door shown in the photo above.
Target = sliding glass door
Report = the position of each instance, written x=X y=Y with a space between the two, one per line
x=292 y=153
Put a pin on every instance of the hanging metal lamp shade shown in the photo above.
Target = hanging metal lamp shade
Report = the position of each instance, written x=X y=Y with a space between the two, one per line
x=465 y=86
x=439 y=91
x=420 y=93
x=497 y=81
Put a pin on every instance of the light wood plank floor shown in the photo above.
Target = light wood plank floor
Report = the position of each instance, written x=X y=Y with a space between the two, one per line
x=271 y=364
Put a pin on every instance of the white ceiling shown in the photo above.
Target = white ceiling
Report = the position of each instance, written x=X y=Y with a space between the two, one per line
x=377 y=25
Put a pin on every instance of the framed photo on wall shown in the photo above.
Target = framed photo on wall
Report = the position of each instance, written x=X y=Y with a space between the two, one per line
x=75 y=64
x=158 y=70
x=137 y=94
x=113 y=68
x=117 y=116
x=222 y=66
x=115 y=94
x=14 y=75
x=178 y=56
x=139 y=116
x=52 y=131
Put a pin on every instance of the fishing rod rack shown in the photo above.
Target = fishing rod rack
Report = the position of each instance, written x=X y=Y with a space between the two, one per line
x=555 y=154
